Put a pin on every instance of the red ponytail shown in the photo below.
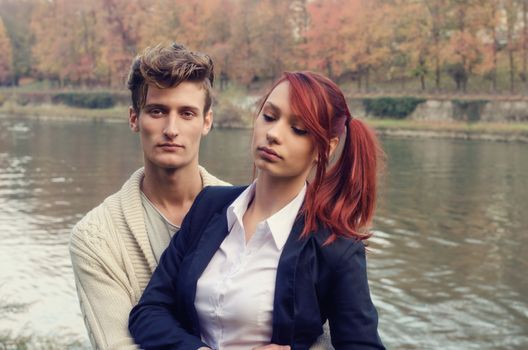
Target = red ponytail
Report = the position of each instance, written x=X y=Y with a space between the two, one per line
x=342 y=197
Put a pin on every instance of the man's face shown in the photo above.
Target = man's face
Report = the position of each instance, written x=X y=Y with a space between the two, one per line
x=171 y=125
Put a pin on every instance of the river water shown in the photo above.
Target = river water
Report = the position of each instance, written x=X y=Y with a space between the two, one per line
x=447 y=265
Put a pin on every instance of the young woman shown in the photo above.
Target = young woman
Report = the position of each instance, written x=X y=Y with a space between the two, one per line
x=263 y=267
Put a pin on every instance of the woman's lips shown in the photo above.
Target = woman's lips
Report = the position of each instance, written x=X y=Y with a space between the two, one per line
x=268 y=154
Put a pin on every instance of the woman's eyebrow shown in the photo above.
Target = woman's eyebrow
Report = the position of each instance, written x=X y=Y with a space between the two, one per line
x=274 y=108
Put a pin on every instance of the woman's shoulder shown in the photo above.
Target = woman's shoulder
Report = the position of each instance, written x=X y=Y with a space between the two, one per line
x=213 y=199
x=341 y=248
x=219 y=194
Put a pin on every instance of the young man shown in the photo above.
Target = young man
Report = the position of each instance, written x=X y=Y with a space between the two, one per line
x=116 y=246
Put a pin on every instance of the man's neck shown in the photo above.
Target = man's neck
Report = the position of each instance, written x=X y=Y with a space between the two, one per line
x=172 y=191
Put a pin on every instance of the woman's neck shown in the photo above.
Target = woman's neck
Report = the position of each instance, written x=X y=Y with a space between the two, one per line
x=271 y=195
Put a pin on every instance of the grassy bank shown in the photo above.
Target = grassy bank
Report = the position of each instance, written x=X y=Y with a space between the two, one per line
x=229 y=114
x=52 y=111
x=460 y=130
x=232 y=107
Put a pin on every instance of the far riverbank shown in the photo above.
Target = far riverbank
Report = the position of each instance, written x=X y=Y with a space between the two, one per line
x=492 y=131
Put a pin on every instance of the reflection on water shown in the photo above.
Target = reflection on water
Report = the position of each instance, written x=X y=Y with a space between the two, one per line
x=446 y=265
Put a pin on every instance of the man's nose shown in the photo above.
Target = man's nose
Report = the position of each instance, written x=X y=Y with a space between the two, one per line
x=171 y=129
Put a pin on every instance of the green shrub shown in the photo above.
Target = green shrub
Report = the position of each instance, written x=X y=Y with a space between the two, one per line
x=393 y=107
x=22 y=100
x=85 y=99
x=468 y=110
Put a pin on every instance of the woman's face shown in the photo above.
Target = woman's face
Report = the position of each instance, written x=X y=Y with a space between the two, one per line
x=281 y=144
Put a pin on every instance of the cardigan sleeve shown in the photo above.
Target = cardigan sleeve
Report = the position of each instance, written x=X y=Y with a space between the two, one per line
x=105 y=296
x=154 y=322
x=352 y=315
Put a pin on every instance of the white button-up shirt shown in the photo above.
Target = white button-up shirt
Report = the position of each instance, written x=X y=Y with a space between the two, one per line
x=234 y=295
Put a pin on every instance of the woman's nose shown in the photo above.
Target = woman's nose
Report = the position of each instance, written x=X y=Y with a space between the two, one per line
x=275 y=132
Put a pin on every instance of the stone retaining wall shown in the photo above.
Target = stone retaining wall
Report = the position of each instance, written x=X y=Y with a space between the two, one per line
x=456 y=110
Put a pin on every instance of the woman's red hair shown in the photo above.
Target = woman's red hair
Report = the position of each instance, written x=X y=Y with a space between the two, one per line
x=341 y=197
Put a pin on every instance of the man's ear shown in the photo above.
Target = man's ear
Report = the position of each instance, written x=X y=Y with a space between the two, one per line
x=133 y=119
x=208 y=122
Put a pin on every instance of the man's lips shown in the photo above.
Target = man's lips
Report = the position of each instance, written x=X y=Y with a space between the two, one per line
x=170 y=145
x=269 y=153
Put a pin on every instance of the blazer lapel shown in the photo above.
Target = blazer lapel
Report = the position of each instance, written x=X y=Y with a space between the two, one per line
x=213 y=235
x=283 y=304
x=215 y=232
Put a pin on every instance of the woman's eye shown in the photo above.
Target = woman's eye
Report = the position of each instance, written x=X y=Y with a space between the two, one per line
x=268 y=118
x=299 y=131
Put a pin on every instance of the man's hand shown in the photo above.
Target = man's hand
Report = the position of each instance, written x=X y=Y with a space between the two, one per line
x=272 y=347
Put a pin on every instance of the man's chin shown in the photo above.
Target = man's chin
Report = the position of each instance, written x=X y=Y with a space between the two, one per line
x=170 y=165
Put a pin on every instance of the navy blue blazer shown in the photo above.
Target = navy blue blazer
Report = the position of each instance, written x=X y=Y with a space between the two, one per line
x=315 y=282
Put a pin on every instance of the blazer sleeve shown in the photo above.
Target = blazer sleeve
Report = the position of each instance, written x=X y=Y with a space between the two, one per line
x=352 y=315
x=155 y=322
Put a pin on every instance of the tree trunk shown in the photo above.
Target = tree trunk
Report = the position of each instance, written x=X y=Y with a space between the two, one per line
x=525 y=41
x=329 y=69
x=494 y=52
x=437 y=74
x=367 y=79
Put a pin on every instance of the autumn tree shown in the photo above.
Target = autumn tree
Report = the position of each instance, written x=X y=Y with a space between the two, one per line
x=92 y=42
x=367 y=33
x=300 y=19
x=438 y=33
x=66 y=45
x=6 y=59
x=411 y=48
x=325 y=42
x=274 y=38
x=240 y=64
x=118 y=27
x=14 y=14
x=524 y=40
x=489 y=13
x=218 y=45
x=464 y=51
x=511 y=10
x=54 y=43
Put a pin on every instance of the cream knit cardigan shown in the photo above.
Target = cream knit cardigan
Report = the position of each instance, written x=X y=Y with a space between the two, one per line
x=113 y=261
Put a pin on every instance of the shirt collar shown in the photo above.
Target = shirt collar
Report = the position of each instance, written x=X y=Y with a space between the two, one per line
x=280 y=224
x=237 y=209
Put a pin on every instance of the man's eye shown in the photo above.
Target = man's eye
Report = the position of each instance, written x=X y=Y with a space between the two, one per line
x=299 y=131
x=188 y=114
x=155 y=112
x=268 y=118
